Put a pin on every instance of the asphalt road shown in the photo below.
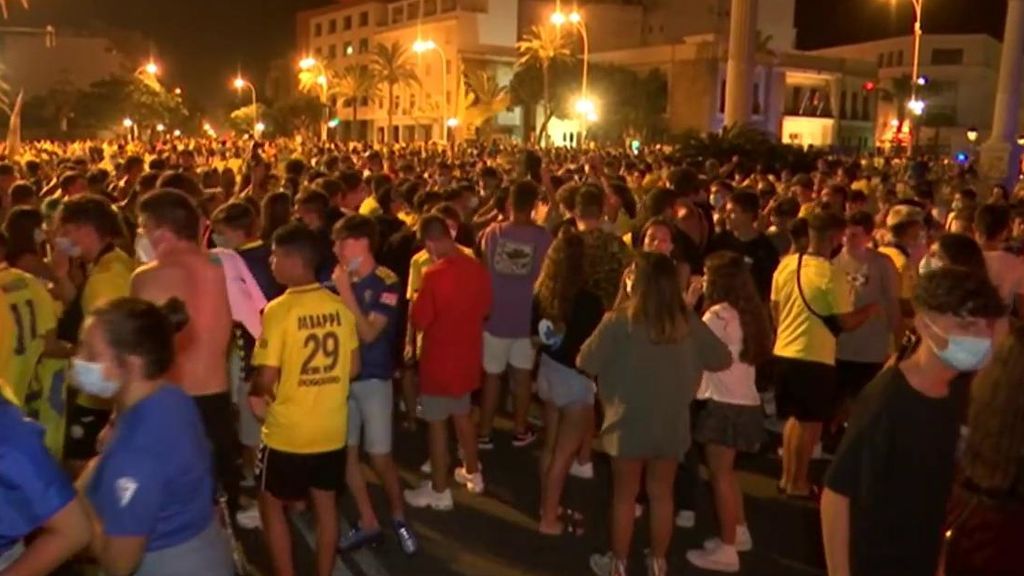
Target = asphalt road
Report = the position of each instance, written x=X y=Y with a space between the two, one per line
x=494 y=534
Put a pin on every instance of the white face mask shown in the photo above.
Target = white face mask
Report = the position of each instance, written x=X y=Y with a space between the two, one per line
x=144 y=250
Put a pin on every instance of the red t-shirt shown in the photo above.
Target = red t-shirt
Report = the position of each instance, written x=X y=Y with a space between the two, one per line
x=450 y=310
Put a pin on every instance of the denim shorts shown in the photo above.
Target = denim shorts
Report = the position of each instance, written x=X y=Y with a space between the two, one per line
x=369 y=415
x=440 y=408
x=563 y=386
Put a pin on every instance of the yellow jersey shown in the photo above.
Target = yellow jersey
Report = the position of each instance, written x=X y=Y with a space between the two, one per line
x=908 y=274
x=309 y=335
x=419 y=264
x=800 y=334
x=30 y=315
x=108 y=279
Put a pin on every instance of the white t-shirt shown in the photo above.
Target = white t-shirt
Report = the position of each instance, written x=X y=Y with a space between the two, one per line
x=1007 y=274
x=735 y=385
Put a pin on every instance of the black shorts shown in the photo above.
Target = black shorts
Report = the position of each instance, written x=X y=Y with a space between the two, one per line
x=83 y=429
x=289 y=476
x=218 y=415
x=852 y=376
x=804 y=390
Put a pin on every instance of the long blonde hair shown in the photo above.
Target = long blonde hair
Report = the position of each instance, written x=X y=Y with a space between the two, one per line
x=654 y=300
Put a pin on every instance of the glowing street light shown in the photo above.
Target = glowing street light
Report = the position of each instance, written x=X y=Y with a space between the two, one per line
x=452 y=122
x=240 y=83
x=160 y=128
x=127 y=123
x=1020 y=139
x=420 y=46
x=558 y=18
x=151 y=68
x=259 y=127
x=310 y=65
x=972 y=134
x=177 y=133
x=177 y=91
x=916 y=106
x=207 y=127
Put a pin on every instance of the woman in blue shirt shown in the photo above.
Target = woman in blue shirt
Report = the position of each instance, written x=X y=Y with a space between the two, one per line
x=36 y=499
x=148 y=489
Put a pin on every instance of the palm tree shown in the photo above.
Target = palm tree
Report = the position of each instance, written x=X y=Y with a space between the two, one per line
x=485 y=99
x=393 y=67
x=542 y=46
x=356 y=83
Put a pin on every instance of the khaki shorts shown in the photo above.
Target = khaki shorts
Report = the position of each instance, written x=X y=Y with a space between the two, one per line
x=499 y=353
x=440 y=408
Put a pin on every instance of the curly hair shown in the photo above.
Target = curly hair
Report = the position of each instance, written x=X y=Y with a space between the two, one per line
x=996 y=420
x=729 y=281
x=561 y=277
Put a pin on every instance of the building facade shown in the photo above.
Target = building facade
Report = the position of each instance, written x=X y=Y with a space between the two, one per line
x=72 y=61
x=960 y=73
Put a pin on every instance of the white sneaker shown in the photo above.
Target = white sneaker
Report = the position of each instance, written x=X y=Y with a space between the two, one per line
x=744 y=543
x=425 y=496
x=249 y=518
x=584 y=471
x=721 y=559
x=686 y=519
x=427 y=468
x=473 y=482
x=606 y=565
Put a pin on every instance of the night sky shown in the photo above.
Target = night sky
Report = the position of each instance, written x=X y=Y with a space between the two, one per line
x=201 y=43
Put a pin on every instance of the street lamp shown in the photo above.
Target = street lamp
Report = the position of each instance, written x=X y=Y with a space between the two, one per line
x=151 y=68
x=311 y=65
x=177 y=133
x=915 y=105
x=160 y=128
x=558 y=18
x=972 y=134
x=240 y=83
x=1020 y=139
x=177 y=91
x=420 y=46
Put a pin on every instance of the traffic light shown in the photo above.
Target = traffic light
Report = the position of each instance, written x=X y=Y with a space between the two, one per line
x=870 y=86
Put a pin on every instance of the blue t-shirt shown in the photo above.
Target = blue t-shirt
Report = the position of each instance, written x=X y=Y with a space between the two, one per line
x=379 y=292
x=257 y=258
x=33 y=488
x=156 y=477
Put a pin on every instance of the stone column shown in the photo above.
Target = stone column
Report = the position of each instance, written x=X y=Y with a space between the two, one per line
x=1000 y=154
x=739 y=76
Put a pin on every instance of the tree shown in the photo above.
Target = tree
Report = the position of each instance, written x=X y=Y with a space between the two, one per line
x=485 y=100
x=107 y=101
x=357 y=83
x=393 y=67
x=300 y=113
x=542 y=46
x=242 y=119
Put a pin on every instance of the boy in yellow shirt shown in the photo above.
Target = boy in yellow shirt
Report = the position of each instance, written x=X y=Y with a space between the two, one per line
x=307 y=353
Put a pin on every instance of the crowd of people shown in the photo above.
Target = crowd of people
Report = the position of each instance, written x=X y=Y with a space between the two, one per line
x=246 y=321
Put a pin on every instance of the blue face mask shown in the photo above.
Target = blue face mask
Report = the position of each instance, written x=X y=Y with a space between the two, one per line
x=88 y=377
x=67 y=246
x=962 y=353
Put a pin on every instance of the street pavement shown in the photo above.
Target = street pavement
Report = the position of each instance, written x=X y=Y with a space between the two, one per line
x=494 y=534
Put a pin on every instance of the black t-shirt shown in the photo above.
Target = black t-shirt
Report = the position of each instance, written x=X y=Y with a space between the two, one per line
x=895 y=464
x=587 y=311
x=760 y=254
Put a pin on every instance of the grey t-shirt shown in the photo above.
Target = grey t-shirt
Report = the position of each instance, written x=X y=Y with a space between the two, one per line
x=873 y=280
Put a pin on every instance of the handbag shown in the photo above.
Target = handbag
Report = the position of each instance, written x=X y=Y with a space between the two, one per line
x=831 y=321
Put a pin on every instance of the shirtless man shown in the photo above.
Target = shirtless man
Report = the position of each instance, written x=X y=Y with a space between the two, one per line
x=174 y=265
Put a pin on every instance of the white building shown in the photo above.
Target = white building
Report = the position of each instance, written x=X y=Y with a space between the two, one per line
x=803 y=98
x=961 y=71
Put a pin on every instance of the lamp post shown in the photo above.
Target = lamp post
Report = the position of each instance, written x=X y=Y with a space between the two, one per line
x=972 y=137
x=240 y=83
x=584 y=106
x=421 y=46
x=915 y=105
x=311 y=65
